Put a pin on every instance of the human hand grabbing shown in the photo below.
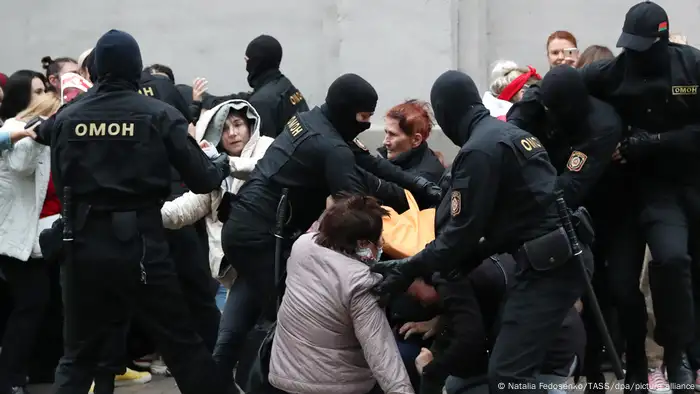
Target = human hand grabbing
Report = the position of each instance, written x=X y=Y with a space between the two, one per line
x=427 y=328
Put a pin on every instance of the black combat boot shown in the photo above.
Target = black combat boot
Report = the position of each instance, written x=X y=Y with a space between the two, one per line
x=680 y=376
x=671 y=291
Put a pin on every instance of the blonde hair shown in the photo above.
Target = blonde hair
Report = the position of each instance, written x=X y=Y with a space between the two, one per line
x=678 y=39
x=81 y=58
x=503 y=73
x=45 y=105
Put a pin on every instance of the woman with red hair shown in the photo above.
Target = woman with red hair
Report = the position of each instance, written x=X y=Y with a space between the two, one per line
x=562 y=48
x=407 y=127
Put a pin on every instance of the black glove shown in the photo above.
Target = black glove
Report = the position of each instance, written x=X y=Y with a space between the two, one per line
x=224 y=210
x=51 y=241
x=221 y=163
x=431 y=191
x=639 y=145
x=398 y=276
x=195 y=110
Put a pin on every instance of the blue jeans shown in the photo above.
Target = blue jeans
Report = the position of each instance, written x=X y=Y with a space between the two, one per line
x=251 y=294
x=409 y=351
x=221 y=297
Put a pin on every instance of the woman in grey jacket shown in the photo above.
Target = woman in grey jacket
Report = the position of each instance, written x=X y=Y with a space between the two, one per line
x=331 y=335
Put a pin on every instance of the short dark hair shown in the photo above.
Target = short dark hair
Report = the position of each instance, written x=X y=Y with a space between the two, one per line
x=350 y=219
x=163 y=69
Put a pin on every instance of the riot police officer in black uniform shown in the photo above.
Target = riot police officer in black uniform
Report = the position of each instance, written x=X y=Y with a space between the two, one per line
x=503 y=189
x=155 y=83
x=274 y=96
x=188 y=245
x=312 y=159
x=653 y=85
x=580 y=133
x=110 y=154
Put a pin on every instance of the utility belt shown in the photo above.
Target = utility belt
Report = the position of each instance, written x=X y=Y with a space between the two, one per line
x=74 y=217
x=553 y=249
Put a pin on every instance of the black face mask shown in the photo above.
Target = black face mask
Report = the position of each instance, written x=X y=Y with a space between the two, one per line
x=652 y=62
x=565 y=96
x=453 y=96
x=347 y=96
x=264 y=55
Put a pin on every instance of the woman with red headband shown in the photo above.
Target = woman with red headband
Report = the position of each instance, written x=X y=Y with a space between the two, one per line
x=509 y=82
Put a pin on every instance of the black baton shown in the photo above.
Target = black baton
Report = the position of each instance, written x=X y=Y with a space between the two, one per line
x=67 y=220
x=67 y=280
x=282 y=212
x=592 y=301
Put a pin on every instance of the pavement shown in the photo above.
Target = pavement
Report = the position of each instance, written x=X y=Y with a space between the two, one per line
x=161 y=385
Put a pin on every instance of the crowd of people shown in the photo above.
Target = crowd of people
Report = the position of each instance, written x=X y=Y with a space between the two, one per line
x=239 y=242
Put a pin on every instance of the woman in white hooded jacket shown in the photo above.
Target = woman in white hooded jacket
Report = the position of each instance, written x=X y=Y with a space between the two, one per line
x=232 y=127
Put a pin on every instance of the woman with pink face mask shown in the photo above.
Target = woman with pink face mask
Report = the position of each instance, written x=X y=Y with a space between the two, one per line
x=329 y=325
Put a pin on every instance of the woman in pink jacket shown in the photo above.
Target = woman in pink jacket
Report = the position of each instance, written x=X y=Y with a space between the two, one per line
x=331 y=335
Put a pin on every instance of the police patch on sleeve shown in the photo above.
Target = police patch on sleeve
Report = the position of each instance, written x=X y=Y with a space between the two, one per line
x=456 y=203
x=360 y=144
x=576 y=161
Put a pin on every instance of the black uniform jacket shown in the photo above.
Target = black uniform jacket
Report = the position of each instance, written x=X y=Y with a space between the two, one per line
x=276 y=100
x=580 y=153
x=502 y=188
x=667 y=104
x=114 y=148
x=312 y=160
x=163 y=89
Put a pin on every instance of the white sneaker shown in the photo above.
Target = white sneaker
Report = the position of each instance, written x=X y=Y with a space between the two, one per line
x=158 y=367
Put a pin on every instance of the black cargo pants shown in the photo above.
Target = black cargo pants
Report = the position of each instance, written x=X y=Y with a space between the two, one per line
x=120 y=269
x=192 y=266
x=619 y=250
x=535 y=308
x=665 y=222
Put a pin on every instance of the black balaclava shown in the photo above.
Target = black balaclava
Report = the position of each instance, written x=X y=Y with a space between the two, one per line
x=348 y=95
x=118 y=59
x=565 y=97
x=89 y=63
x=655 y=61
x=264 y=54
x=454 y=94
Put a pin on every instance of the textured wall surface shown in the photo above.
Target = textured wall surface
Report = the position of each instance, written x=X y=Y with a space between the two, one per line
x=400 y=46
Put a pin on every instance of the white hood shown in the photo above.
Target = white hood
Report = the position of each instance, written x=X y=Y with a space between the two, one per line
x=211 y=124
x=496 y=106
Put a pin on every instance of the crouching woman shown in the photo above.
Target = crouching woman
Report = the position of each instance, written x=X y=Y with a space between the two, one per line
x=331 y=335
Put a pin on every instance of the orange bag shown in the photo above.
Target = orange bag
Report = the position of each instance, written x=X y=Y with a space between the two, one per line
x=407 y=233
